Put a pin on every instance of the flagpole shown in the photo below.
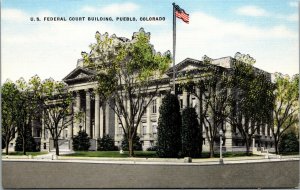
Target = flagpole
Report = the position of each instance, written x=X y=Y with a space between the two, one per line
x=174 y=45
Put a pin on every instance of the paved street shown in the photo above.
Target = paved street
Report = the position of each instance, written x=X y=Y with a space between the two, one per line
x=139 y=174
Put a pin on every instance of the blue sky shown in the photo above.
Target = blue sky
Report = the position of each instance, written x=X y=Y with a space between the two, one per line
x=267 y=30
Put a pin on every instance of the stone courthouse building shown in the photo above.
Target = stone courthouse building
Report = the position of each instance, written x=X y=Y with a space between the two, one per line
x=99 y=119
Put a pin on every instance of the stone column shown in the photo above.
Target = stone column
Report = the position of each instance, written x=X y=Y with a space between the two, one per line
x=148 y=127
x=158 y=104
x=149 y=112
x=107 y=117
x=70 y=126
x=199 y=110
x=198 y=103
x=253 y=144
x=228 y=136
x=184 y=99
x=76 y=110
x=88 y=112
x=116 y=130
x=101 y=121
x=97 y=115
x=43 y=129
x=138 y=131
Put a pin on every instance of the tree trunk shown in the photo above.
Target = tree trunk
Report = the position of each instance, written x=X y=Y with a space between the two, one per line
x=6 y=147
x=276 y=143
x=24 y=146
x=247 y=147
x=211 y=149
x=130 y=147
x=56 y=147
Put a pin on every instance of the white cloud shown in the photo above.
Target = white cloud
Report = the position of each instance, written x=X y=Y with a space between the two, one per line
x=292 y=17
x=14 y=15
x=275 y=48
x=51 y=49
x=293 y=3
x=253 y=11
x=112 y=9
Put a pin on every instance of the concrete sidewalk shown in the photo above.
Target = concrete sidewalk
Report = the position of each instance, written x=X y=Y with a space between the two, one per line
x=156 y=161
x=51 y=155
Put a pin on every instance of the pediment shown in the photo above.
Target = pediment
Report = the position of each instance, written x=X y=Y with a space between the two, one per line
x=79 y=74
x=187 y=64
x=189 y=67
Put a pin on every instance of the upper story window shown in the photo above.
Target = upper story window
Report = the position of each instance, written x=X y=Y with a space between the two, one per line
x=121 y=131
x=194 y=102
x=154 y=128
x=144 y=105
x=181 y=103
x=144 y=129
x=154 y=106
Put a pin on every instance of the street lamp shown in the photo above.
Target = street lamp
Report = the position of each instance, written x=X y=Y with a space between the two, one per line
x=221 y=142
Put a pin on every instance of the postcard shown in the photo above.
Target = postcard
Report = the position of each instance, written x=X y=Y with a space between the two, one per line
x=149 y=94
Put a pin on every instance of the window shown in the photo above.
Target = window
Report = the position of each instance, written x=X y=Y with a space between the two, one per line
x=154 y=128
x=121 y=132
x=151 y=143
x=144 y=129
x=154 y=106
x=38 y=132
x=194 y=102
x=181 y=103
x=144 y=105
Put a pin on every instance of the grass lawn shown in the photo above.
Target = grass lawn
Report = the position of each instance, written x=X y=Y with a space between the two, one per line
x=115 y=154
x=144 y=154
x=27 y=153
x=289 y=153
x=226 y=154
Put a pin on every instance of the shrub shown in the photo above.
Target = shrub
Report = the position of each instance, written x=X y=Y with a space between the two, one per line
x=137 y=145
x=152 y=148
x=106 y=143
x=169 y=126
x=81 y=142
x=30 y=144
x=289 y=143
x=190 y=133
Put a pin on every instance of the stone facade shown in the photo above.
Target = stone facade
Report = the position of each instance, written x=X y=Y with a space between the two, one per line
x=99 y=119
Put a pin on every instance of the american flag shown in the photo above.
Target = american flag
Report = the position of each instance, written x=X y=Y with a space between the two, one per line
x=180 y=13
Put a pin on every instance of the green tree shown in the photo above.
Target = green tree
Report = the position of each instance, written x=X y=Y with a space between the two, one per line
x=81 y=142
x=288 y=143
x=190 y=133
x=214 y=96
x=128 y=73
x=106 y=143
x=252 y=102
x=55 y=103
x=28 y=109
x=30 y=144
x=10 y=98
x=169 y=127
x=137 y=145
x=286 y=106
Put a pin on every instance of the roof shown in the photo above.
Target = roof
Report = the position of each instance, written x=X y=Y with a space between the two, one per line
x=79 y=74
